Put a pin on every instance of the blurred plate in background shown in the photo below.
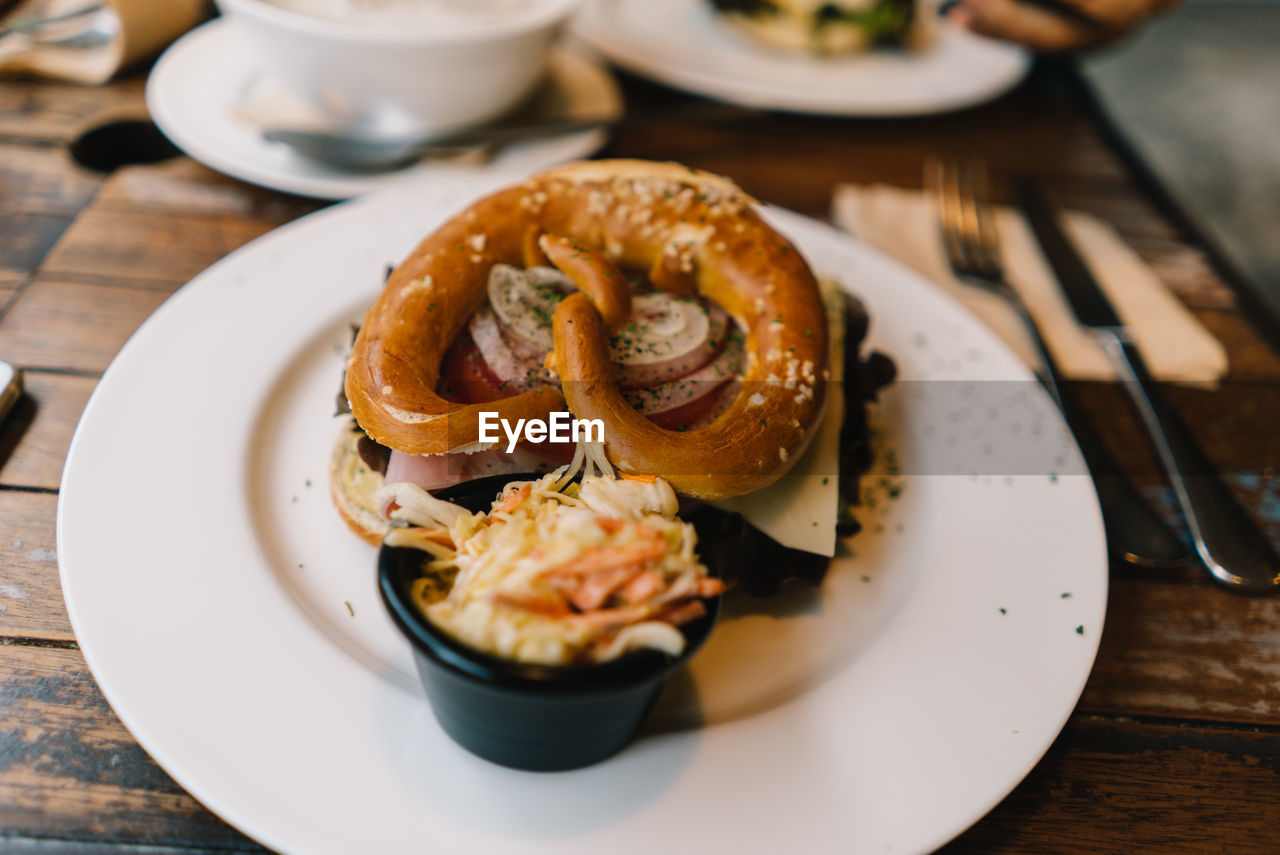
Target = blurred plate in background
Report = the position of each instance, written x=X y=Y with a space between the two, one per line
x=683 y=43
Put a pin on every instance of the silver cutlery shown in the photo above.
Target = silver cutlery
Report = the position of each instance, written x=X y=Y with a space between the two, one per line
x=375 y=154
x=1135 y=533
x=82 y=29
x=36 y=19
x=1228 y=542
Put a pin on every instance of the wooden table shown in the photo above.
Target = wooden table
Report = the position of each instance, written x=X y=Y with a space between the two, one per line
x=1175 y=746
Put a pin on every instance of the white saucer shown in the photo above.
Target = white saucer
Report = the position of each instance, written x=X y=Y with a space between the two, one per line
x=683 y=43
x=197 y=86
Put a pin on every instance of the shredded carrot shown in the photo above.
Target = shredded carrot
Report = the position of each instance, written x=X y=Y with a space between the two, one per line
x=606 y=558
x=597 y=588
x=641 y=587
x=710 y=587
x=684 y=612
x=552 y=606
x=646 y=479
x=514 y=499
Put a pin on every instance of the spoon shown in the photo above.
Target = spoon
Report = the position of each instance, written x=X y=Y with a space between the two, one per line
x=377 y=154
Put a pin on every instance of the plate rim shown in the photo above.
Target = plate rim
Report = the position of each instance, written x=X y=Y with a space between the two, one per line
x=254 y=827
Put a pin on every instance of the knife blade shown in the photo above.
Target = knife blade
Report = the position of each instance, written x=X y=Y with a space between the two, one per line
x=1232 y=548
x=1090 y=305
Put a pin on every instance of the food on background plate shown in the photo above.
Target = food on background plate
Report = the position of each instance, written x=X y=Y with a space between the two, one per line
x=830 y=26
x=648 y=301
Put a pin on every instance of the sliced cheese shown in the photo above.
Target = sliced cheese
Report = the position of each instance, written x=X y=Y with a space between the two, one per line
x=799 y=510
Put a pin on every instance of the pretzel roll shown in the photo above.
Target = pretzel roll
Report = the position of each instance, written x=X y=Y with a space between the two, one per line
x=596 y=276
x=689 y=229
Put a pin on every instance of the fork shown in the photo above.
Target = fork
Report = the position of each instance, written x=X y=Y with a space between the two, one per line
x=962 y=189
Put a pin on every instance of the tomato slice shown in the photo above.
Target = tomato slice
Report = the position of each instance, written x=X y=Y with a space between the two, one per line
x=688 y=415
x=465 y=378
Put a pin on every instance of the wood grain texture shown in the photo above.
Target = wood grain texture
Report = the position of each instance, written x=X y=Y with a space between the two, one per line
x=25 y=240
x=43 y=180
x=42 y=112
x=183 y=186
x=73 y=325
x=31 y=605
x=34 y=439
x=8 y=291
x=1122 y=786
x=69 y=769
x=145 y=249
x=1188 y=652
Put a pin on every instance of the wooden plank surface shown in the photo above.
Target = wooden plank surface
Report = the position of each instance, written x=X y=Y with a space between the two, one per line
x=41 y=113
x=76 y=326
x=69 y=769
x=34 y=439
x=1176 y=743
x=1187 y=651
x=43 y=180
x=147 y=249
x=1127 y=786
x=31 y=604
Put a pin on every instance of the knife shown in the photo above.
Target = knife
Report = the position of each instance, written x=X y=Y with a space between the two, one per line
x=1232 y=548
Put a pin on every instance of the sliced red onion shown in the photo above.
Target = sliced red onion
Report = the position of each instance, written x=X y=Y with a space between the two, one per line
x=667 y=338
x=662 y=328
x=653 y=373
x=525 y=300
x=516 y=365
x=691 y=387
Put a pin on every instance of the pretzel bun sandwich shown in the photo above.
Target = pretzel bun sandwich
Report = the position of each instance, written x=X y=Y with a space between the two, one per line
x=649 y=301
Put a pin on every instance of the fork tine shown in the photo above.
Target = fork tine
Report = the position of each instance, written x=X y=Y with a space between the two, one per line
x=968 y=216
x=988 y=234
x=940 y=178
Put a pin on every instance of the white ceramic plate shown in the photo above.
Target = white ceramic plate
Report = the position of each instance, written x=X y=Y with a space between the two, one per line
x=196 y=87
x=233 y=622
x=684 y=44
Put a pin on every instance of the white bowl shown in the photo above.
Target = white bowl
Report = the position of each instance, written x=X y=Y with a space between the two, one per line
x=379 y=79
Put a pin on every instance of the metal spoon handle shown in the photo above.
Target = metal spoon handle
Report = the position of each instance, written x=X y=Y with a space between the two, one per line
x=1232 y=547
x=503 y=134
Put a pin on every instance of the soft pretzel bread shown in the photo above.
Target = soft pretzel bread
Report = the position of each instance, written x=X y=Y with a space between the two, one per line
x=687 y=229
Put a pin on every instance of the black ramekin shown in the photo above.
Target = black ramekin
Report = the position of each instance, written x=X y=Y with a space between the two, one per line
x=535 y=717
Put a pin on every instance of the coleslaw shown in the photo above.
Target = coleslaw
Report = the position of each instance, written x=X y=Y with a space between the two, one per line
x=556 y=572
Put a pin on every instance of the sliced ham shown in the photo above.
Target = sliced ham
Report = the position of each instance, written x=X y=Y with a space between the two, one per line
x=437 y=471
